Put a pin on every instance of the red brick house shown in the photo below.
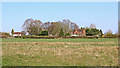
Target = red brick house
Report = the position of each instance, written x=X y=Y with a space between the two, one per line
x=79 y=32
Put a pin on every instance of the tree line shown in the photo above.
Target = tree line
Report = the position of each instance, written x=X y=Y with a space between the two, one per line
x=59 y=28
x=37 y=27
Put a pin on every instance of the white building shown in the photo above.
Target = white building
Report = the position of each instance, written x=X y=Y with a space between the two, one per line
x=17 y=34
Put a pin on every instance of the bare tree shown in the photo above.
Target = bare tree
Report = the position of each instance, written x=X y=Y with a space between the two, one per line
x=32 y=27
x=23 y=33
x=92 y=26
x=109 y=33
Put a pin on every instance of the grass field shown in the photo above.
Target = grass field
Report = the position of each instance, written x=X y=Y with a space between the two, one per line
x=58 y=40
x=57 y=52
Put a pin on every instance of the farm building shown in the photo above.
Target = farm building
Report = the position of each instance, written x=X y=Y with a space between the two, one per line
x=17 y=34
x=79 y=32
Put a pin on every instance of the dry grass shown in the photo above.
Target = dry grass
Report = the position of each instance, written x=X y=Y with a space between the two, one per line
x=72 y=43
x=60 y=53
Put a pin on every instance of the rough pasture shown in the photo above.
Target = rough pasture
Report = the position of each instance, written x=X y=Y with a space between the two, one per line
x=56 y=52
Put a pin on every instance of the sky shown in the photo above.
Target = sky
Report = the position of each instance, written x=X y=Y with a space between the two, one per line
x=103 y=14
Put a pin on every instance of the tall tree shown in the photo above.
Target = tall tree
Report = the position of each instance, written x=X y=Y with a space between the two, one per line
x=12 y=32
x=51 y=27
x=92 y=26
x=32 y=27
x=65 y=25
x=101 y=33
x=46 y=25
x=61 y=34
x=56 y=29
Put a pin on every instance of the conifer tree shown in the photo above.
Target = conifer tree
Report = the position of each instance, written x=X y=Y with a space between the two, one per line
x=61 y=34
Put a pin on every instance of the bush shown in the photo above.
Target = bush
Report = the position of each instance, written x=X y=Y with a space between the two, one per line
x=43 y=33
x=103 y=36
x=4 y=33
x=17 y=36
x=24 y=37
x=67 y=34
x=39 y=34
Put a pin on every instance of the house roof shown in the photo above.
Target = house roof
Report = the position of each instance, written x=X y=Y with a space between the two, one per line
x=79 y=30
x=17 y=32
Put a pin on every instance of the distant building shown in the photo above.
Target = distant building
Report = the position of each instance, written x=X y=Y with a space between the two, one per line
x=79 y=32
x=17 y=34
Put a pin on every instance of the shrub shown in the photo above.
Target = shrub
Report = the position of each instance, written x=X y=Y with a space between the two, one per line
x=24 y=37
x=43 y=33
x=103 y=36
x=39 y=34
x=67 y=34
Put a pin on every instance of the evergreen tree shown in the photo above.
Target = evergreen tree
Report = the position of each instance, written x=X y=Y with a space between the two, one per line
x=12 y=32
x=101 y=32
x=61 y=34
